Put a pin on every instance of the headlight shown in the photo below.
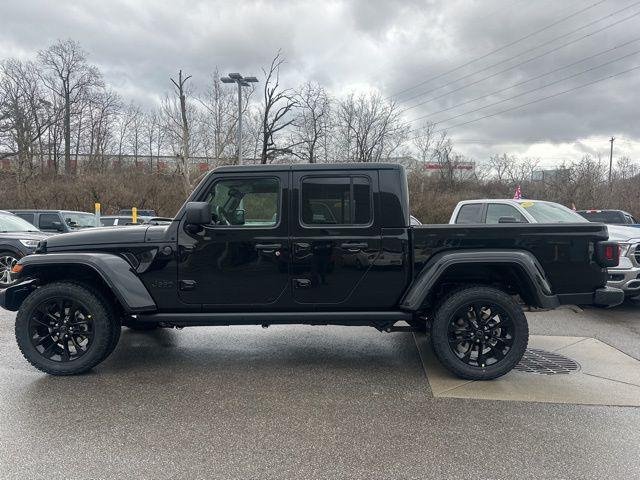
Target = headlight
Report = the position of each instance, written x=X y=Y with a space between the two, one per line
x=29 y=243
x=624 y=249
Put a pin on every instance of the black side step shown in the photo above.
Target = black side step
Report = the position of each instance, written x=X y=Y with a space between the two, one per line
x=365 y=318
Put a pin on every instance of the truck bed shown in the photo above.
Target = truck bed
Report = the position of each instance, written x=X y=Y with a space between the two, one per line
x=565 y=251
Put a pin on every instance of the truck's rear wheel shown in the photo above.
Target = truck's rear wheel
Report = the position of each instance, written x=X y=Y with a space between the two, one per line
x=479 y=333
x=65 y=329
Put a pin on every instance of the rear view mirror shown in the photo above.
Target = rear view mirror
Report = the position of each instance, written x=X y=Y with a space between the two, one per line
x=508 y=220
x=198 y=213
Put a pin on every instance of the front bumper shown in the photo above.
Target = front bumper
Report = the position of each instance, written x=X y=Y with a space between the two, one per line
x=626 y=279
x=12 y=297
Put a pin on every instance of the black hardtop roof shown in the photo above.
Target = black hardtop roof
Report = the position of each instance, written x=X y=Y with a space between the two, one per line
x=309 y=167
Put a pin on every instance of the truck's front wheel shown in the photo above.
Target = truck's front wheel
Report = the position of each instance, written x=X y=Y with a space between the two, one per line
x=65 y=329
x=479 y=333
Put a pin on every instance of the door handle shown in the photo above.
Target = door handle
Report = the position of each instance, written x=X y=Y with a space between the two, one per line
x=268 y=247
x=302 y=246
x=354 y=246
x=301 y=282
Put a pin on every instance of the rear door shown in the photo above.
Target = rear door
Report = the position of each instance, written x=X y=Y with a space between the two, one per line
x=335 y=236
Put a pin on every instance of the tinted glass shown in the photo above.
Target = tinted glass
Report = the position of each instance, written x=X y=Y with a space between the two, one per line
x=47 y=220
x=247 y=202
x=471 y=213
x=336 y=201
x=29 y=217
x=497 y=210
x=107 y=222
x=604 y=217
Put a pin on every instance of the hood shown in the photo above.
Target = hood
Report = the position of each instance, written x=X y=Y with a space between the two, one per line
x=25 y=235
x=99 y=236
x=620 y=233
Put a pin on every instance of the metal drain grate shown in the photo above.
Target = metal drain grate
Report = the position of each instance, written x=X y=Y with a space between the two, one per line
x=542 y=362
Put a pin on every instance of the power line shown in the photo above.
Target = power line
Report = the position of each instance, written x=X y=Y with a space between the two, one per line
x=555 y=49
x=593 y=5
x=528 y=91
x=530 y=50
x=519 y=83
x=535 y=101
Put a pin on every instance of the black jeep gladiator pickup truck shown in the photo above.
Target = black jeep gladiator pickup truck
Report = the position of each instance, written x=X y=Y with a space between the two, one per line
x=310 y=244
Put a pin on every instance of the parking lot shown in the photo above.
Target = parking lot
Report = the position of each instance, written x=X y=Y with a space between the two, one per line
x=302 y=402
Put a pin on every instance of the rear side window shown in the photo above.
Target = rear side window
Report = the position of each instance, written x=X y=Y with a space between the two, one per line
x=497 y=210
x=471 y=213
x=336 y=201
x=47 y=220
x=29 y=217
x=108 y=222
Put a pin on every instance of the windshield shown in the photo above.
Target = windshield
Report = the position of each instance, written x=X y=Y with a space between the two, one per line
x=11 y=223
x=546 y=212
x=80 y=220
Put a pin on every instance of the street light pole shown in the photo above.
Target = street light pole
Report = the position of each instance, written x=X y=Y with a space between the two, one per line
x=242 y=82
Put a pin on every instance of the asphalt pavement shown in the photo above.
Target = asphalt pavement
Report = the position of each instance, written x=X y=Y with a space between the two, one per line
x=300 y=402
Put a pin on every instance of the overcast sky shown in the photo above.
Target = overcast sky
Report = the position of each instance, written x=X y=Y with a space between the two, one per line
x=385 y=45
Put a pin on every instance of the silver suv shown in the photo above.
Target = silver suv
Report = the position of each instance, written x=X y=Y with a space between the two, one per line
x=625 y=276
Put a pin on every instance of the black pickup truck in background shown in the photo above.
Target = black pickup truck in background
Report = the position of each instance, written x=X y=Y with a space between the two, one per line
x=310 y=244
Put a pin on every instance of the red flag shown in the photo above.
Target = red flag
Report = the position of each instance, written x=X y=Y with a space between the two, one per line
x=518 y=194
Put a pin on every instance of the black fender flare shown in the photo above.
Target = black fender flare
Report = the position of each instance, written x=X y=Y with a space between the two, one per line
x=115 y=271
x=528 y=266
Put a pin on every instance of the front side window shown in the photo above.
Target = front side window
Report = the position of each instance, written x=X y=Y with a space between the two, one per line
x=49 y=221
x=80 y=220
x=246 y=202
x=495 y=211
x=336 y=201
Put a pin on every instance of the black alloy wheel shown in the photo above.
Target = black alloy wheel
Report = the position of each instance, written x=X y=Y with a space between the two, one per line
x=479 y=333
x=65 y=328
x=61 y=329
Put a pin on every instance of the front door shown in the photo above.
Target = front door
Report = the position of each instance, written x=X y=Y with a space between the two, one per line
x=241 y=257
x=335 y=238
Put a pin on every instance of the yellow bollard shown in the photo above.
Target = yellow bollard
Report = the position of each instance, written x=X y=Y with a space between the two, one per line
x=134 y=215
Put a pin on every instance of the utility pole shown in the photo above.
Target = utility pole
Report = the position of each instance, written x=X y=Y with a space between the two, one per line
x=242 y=82
x=611 y=160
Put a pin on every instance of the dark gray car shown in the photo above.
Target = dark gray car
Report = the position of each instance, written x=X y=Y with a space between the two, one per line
x=58 y=221
x=17 y=239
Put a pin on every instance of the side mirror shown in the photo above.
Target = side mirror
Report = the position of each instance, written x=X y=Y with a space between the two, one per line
x=508 y=220
x=198 y=213
x=57 y=226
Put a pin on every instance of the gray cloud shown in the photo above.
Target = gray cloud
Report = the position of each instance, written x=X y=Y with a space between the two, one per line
x=352 y=44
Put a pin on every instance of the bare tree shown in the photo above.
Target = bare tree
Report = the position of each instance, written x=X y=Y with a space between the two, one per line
x=178 y=115
x=429 y=145
x=276 y=113
x=312 y=122
x=370 y=127
x=69 y=77
x=501 y=165
x=25 y=115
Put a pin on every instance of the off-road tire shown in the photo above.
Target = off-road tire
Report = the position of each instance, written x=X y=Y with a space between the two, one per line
x=106 y=328
x=466 y=296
